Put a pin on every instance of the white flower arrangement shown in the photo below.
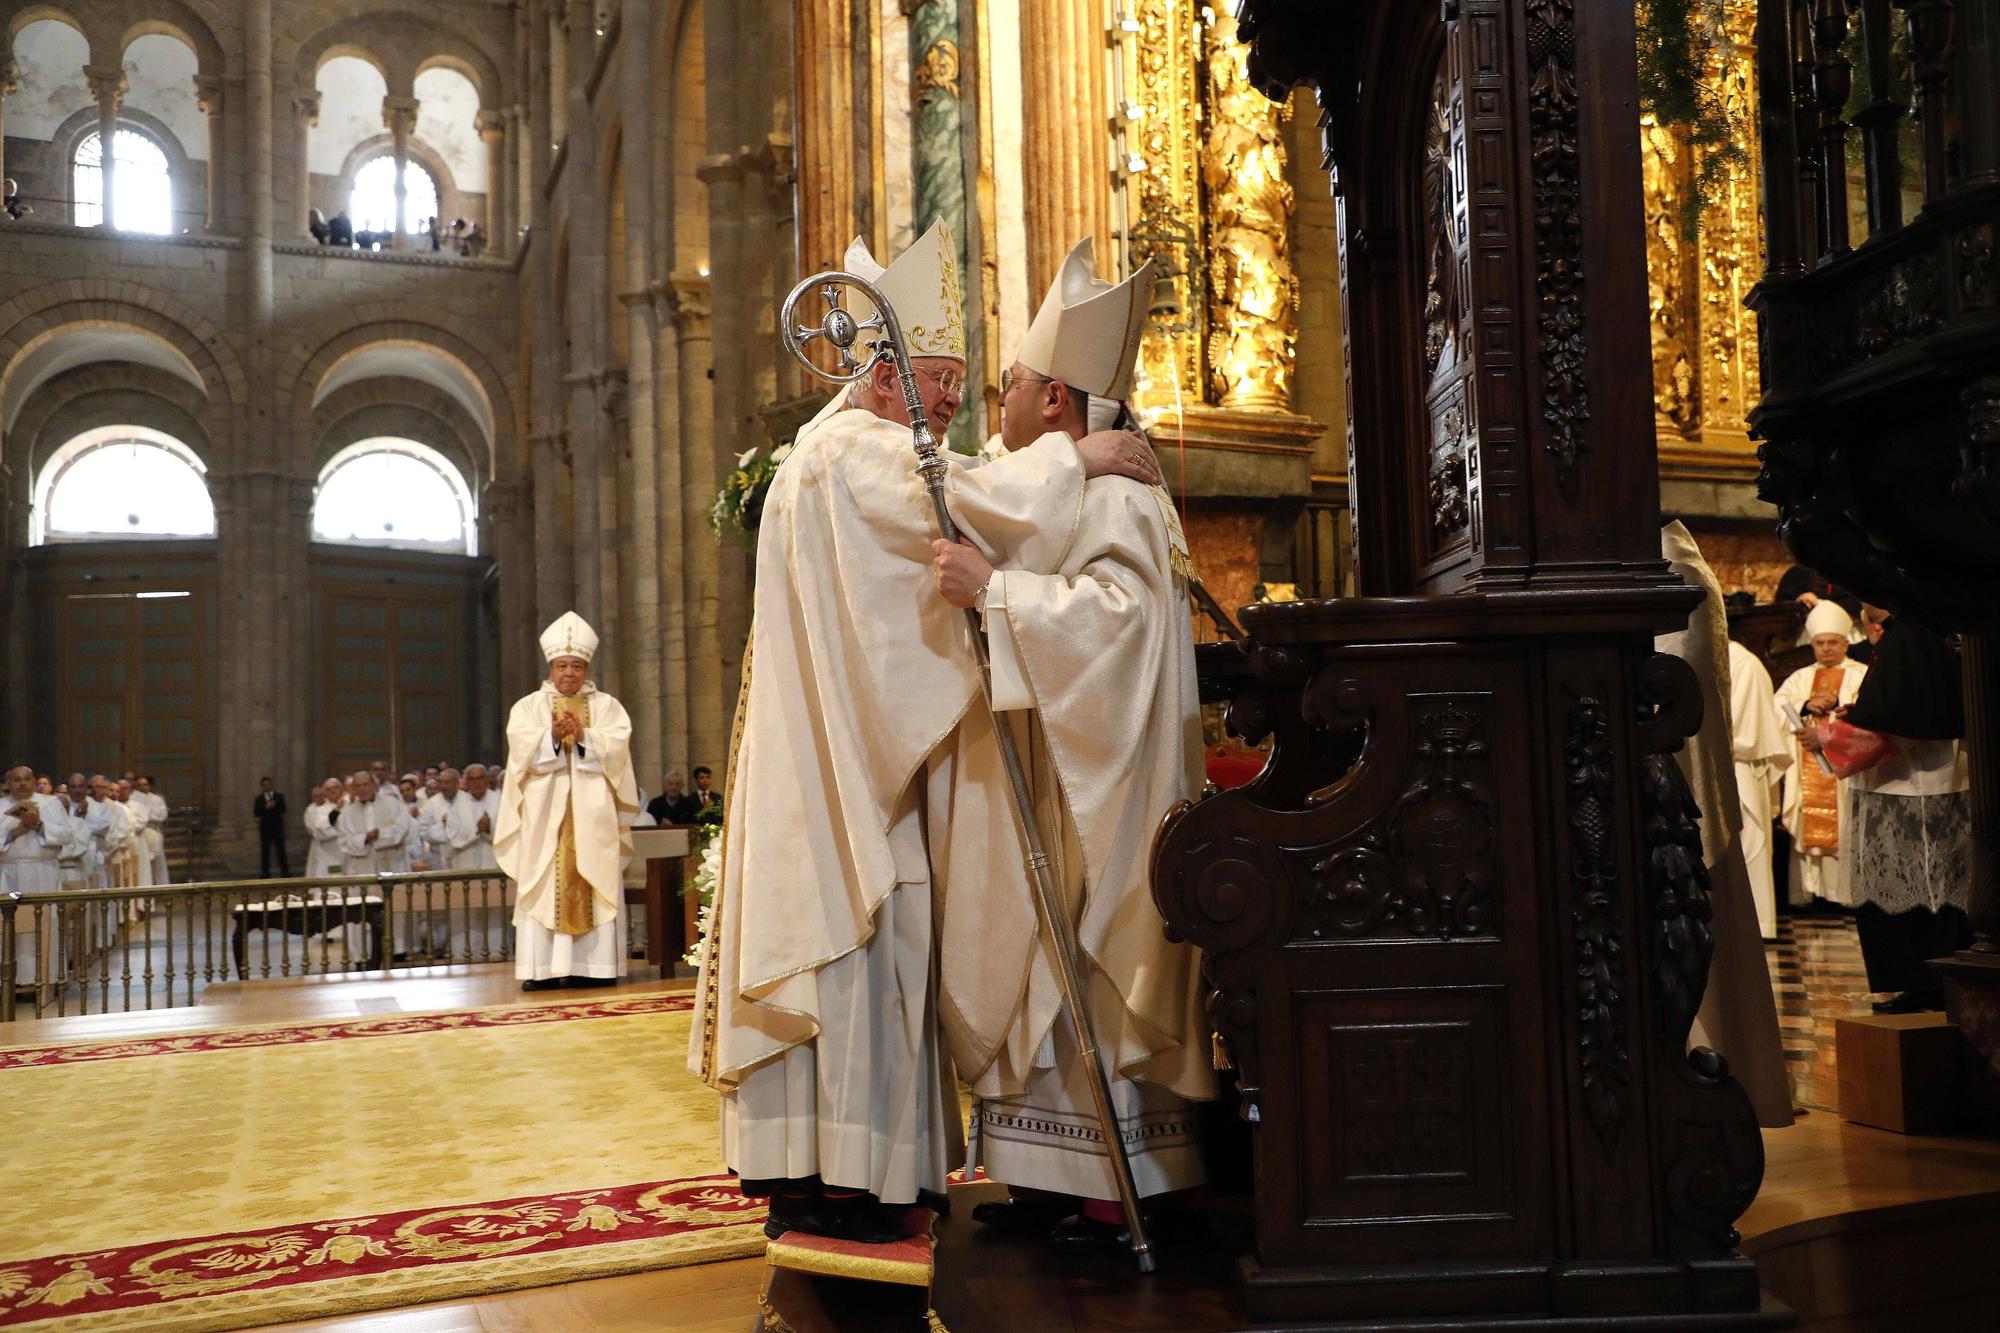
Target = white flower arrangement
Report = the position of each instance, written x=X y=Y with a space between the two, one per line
x=707 y=880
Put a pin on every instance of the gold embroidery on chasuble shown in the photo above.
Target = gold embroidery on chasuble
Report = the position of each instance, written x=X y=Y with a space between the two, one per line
x=1819 y=791
x=709 y=1000
x=576 y=912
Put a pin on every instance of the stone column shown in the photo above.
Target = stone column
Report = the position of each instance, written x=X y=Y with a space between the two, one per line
x=399 y=117
x=701 y=566
x=107 y=85
x=673 y=535
x=492 y=127
x=10 y=82
x=828 y=188
x=208 y=96
x=1066 y=119
x=305 y=116
x=939 y=132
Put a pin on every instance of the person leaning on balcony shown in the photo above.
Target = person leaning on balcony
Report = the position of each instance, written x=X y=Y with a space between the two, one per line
x=12 y=204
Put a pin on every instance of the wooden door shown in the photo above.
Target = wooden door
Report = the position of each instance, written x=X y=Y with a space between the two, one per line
x=134 y=696
x=389 y=666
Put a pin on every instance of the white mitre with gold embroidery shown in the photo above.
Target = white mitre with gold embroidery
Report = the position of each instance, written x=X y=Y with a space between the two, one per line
x=922 y=285
x=1087 y=332
x=569 y=636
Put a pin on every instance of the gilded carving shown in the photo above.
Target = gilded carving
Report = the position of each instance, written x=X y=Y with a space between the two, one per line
x=1161 y=119
x=1704 y=255
x=1253 y=293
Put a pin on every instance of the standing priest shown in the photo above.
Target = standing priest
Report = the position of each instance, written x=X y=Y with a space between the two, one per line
x=564 y=830
x=819 y=1023
x=1097 y=656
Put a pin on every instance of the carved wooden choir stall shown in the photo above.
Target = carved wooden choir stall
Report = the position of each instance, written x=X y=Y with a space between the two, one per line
x=1458 y=929
x=1881 y=411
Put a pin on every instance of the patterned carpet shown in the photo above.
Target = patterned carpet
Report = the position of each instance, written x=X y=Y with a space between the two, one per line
x=1817 y=975
x=257 y=1175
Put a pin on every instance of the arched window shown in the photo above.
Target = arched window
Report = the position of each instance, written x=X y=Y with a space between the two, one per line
x=372 y=205
x=122 y=482
x=145 y=199
x=391 y=492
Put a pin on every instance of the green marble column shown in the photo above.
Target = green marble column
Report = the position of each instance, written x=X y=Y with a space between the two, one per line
x=938 y=150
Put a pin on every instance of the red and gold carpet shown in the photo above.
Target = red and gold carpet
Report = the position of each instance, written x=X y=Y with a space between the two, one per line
x=257 y=1175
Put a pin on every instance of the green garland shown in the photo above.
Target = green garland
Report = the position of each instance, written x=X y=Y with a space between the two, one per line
x=1675 y=39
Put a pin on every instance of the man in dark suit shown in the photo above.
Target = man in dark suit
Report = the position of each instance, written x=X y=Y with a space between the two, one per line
x=707 y=799
x=674 y=805
x=269 y=808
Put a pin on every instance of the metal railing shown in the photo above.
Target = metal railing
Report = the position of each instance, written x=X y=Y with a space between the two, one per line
x=156 y=946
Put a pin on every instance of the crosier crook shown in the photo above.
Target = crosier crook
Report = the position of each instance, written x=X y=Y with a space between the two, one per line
x=841 y=331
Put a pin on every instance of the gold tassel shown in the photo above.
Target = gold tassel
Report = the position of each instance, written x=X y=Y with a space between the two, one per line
x=1219 y=1051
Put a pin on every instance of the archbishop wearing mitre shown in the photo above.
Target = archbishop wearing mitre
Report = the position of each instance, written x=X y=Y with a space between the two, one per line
x=1093 y=668
x=566 y=810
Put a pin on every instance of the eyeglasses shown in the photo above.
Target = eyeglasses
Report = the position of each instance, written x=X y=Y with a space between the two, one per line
x=949 y=382
x=1010 y=379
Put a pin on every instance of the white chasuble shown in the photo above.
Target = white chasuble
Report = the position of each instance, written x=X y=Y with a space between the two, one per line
x=1738 y=1016
x=467 y=846
x=563 y=834
x=389 y=820
x=1113 y=742
x=857 y=675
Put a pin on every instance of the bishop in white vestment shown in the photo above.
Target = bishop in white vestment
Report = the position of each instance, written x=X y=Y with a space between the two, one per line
x=1098 y=656
x=564 y=831
x=1815 y=806
x=819 y=1025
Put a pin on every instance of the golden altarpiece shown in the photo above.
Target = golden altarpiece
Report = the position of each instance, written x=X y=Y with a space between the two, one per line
x=1206 y=190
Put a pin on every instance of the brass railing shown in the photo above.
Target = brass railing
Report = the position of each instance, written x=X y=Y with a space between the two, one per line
x=156 y=946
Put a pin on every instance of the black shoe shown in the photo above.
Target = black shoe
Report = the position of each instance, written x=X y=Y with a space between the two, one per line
x=586 y=983
x=1081 y=1236
x=1024 y=1217
x=546 y=983
x=938 y=1201
x=841 y=1217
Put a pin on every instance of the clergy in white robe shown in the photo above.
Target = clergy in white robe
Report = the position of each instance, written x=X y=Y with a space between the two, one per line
x=564 y=830
x=816 y=982
x=470 y=820
x=1738 y=1015
x=76 y=855
x=1099 y=657
x=111 y=828
x=1762 y=752
x=34 y=830
x=1815 y=806
x=322 y=820
x=373 y=826
x=138 y=847
x=434 y=807
x=147 y=795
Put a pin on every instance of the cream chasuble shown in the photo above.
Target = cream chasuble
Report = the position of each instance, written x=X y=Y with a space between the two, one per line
x=1112 y=743
x=563 y=833
x=1738 y=1016
x=323 y=839
x=814 y=984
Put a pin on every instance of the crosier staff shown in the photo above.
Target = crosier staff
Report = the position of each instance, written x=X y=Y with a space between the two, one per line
x=841 y=331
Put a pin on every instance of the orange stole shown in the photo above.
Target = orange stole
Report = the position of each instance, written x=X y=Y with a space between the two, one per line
x=576 y=912
x=1819 y=791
